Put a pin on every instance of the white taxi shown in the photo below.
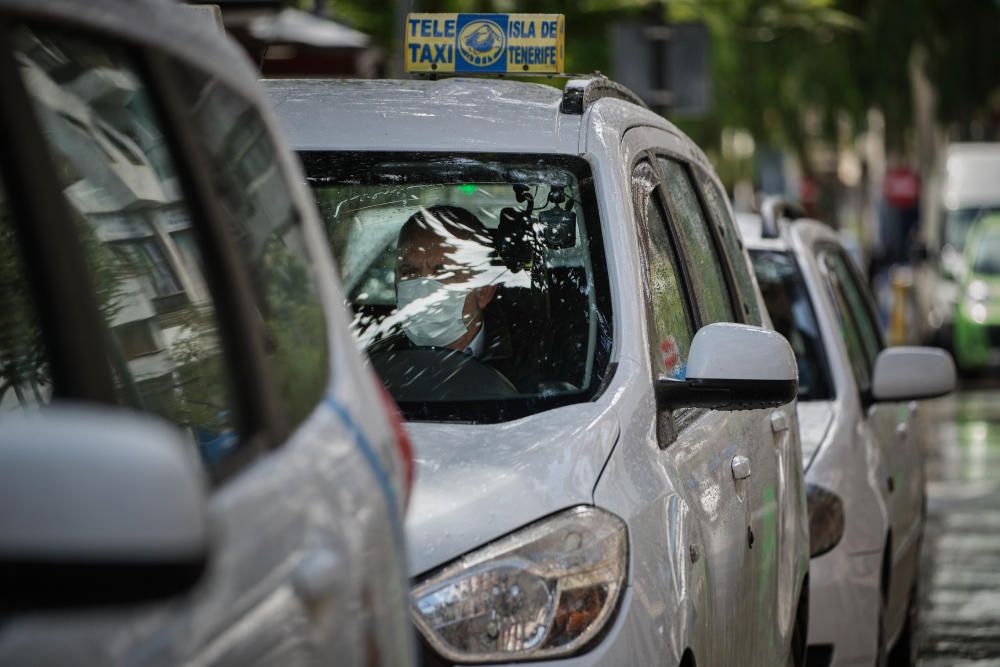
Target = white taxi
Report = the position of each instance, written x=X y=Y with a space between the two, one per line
x=551 y=285
x=864 y=461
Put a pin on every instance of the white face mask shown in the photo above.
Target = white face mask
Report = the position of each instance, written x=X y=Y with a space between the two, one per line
x=431 y=311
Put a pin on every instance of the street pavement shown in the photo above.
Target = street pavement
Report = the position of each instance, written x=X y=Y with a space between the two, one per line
x=960 y=582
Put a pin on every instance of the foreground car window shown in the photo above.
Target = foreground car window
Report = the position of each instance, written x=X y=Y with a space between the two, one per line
x=135 y=230
x=476 y=283
x=25 y=382
x=793 y=317
x=253 y=191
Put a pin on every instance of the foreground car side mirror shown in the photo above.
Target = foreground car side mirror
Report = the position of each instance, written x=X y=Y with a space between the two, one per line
x=911 y=373
x=733 y=367
x=98 y=506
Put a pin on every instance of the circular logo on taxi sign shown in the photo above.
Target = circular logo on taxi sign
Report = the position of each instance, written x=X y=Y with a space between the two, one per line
x=481 y=42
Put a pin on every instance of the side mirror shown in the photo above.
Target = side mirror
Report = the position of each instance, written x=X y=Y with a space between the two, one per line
x=98 y=506
x=733 y=367
x=911 y=373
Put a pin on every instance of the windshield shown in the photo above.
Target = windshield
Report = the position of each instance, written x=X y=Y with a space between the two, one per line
x=959 y=221
x=793 y=317
x=477 y=283
x=987 y=262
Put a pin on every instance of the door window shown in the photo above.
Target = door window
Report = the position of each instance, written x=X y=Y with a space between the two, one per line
x=25 y=380
x=792 y=313
x=670 y=335
x=858 y=302
x=707 y=275
x=118 y=179
x=252 y=188
x=849 y=326
x=715 y=201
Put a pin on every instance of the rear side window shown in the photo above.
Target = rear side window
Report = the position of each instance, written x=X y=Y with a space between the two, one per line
x=858 y=301
x=707 y=275
x=25 y=381
x=253 y=191
x=670 y=335
x=715 y=201
x=119 y=182
x=793 y=316
x=850 y=326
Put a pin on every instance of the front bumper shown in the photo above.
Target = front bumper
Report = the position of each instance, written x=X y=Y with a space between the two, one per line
x=844 y=605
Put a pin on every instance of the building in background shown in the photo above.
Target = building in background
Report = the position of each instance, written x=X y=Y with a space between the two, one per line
x=286 y=42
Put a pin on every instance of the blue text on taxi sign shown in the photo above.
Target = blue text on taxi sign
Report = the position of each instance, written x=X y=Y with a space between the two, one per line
x=487 y=43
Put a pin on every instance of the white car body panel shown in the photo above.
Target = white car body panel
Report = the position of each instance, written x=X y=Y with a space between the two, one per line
x=332 y=493
x=853 y=452
x=691 y=578
x=507 y=475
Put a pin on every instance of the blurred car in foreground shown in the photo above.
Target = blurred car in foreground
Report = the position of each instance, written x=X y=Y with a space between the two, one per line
x=977 y=315
x=195 y=466
x=965 y=189
x=864 y=464
x=551 y=285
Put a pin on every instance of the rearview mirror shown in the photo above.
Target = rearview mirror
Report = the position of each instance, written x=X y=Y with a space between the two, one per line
x=98 y=506
x=733 y=367
x=911 y=373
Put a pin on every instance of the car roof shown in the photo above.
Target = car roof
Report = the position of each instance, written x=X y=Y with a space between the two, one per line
x=751 y=229
x=805 y=229
x=460 y=114
x=160 y=24
x=455 y=114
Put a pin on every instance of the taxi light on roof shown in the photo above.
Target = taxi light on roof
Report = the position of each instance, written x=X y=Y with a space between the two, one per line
x=485 y=43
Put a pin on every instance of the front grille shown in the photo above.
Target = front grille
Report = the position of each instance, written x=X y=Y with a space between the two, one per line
x=993 y=335
x=819 y=655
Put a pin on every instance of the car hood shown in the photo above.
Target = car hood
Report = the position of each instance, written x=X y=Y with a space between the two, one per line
x=477 y=482
x=815 y=418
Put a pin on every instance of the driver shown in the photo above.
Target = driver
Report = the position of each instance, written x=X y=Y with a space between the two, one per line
x=445 y=291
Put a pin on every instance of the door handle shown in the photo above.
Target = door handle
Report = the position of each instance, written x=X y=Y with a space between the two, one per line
x=319 y=576
x=741 y=467
x=779 y=422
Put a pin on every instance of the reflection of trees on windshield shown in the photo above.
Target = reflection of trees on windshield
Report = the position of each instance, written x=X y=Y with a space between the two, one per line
x=470 y=279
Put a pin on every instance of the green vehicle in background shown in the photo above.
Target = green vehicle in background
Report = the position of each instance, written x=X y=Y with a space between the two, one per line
x=977 y=317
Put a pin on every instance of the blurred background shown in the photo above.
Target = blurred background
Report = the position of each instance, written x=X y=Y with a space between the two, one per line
x=845 y=106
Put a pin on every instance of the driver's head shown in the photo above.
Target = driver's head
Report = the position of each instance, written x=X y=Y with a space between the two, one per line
x=443 y=259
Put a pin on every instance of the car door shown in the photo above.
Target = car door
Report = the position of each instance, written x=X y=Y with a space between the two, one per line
x=689 y=440
x=717 y=299
x=787 y=451
x=889 y=424
x=208 y=317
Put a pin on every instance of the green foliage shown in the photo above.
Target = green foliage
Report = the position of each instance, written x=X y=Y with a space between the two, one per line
x=773 y=59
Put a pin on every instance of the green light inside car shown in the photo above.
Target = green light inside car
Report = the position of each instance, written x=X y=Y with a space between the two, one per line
x=467 y=188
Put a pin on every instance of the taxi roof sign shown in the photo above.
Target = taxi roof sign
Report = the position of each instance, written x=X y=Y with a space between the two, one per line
x=485 y=43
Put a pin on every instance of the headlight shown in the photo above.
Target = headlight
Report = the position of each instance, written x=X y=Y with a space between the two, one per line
x=977 y=291
x=978 y=313
x=544 y=591
x=826 y=519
